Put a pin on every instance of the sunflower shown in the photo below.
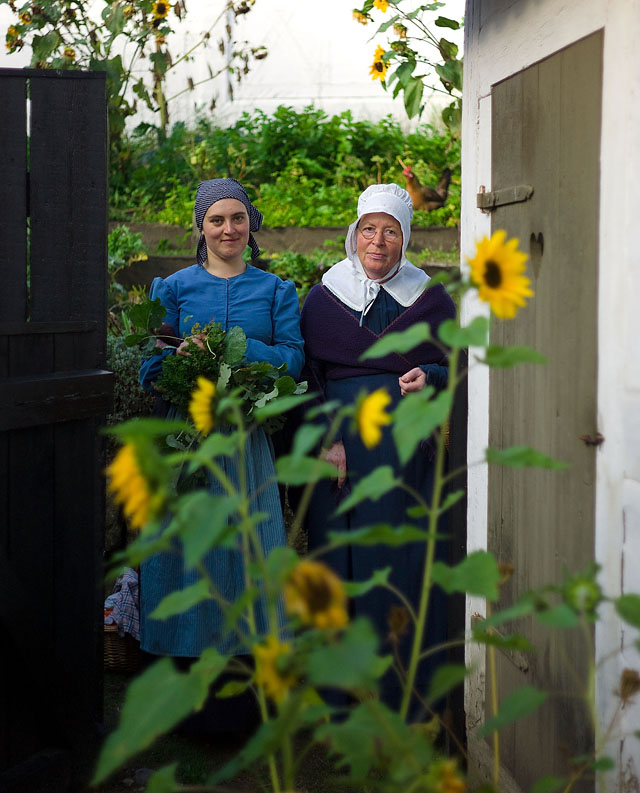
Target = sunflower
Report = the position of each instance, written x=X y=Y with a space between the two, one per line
x=315 y=594
x=381 y=5
x=448 y=779
x=69 y=53
x=270 y=658
x=371 y=416
x=360 y=17
x=201 y=405
x=25 y=18
x=497 y=270
x=161 y=9
x=379 y=67
x=129 y=486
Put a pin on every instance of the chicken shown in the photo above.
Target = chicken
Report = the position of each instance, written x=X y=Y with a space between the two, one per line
x=424 y=197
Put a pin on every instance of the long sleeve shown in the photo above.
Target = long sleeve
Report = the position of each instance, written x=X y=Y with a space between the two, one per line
x=151 y=367
x=287 y=345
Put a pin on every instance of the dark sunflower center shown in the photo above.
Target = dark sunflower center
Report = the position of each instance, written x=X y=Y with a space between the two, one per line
x=319 y=596
x=378 y=66
x=492 y=274
x=161 y=9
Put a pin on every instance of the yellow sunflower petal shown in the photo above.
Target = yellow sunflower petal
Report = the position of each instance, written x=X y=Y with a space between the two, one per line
x=371 y=416
x=201 y=405
x=129 y=486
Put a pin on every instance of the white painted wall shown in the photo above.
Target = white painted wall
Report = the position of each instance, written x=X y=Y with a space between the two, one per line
x=317 y=54
x=502 y=37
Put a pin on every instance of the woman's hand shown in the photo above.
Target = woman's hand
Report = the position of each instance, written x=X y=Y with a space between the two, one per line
x=336 y=456
x=414 y=380
x=183 y=349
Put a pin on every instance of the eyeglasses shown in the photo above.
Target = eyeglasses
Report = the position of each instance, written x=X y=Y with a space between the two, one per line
x=390 y=235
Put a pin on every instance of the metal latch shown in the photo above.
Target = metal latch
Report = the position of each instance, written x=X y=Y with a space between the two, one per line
x=498 y=198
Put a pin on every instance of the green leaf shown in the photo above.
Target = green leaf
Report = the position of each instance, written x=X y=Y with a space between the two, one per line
x=44 y=46
x=476 y=574
x=148 y=428
x=279 y=564
x=306 y=439
x=156 y=701
x=281 y=405
x=450 y=74
x=523 y=456
x=386 y=25
x=517 y=705
x=603 y=764
x=224 y=376
x=448 y=49
x=417 y=511
x=373 y=486
x=351 y=662
x=472 y=335
x=147 y=315
x=548 y=784
x=181 y=600
x=628 y=607
x=218 y=445
x=505 y=357
x=294 y=470
x=495 y=639
x=399 y=342
x=164 y=780
x=382 y=534
x=445 y=22
x=232 y=688
x=413 y=97
x=416 y=417
x=114 y=19
x=203 y=522
x=286 y=386
x=357 y=588
x=235 y=345
x=560 y=616
x=451 y=499
x=445 y=679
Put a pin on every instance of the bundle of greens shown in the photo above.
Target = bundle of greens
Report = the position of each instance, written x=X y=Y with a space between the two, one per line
x=220 y=360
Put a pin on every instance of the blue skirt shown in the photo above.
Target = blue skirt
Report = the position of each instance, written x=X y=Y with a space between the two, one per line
x=202 y=626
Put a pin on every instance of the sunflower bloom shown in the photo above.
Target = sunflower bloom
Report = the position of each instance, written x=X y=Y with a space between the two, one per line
x=360 y=17
x=25 y=18
x=371 y=416
x=129 y=486
x=381 y=5
x=69 y=53
x=497 y=269
x=201 y=405
x=379 y=67
x=269 y=660
x=160 y=9
x=315 y=594
x=449 y=781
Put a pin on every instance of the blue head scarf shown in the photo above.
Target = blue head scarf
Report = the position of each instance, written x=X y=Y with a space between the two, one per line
x=215 y=190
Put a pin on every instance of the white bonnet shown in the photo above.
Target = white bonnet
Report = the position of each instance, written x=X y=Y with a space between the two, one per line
x=389 y=198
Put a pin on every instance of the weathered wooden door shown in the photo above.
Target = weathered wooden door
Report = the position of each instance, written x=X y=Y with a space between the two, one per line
x=546 y=133
x=54 y=394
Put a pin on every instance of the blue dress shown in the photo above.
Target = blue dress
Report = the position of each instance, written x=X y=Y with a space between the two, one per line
x=266 y=308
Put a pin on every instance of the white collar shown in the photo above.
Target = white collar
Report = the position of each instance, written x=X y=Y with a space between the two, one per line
x=348 y=281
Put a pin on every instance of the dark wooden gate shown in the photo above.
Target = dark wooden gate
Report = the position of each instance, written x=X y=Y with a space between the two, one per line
x=54 y=394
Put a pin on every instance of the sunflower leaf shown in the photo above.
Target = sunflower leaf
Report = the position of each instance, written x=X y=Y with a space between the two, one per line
x=373 y=486
x=156 y=701
x=416 y=417
x=517 y=705
x=445 y=679
x=181 y=600
x=164 y=780
x=477 y=574
x=505 y=357
x=356 y=588
x=523 y=456
x=399 y=342
x=297 y=470
x=472 y=335
x=383 y=534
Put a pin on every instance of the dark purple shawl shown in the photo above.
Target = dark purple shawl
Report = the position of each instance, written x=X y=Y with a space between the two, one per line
x=334 y=338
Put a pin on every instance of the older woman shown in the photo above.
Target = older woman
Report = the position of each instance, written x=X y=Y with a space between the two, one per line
x=372 y=292
x=221 y=287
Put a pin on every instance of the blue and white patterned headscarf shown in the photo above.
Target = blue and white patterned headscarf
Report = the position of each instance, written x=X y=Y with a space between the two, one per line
x=215 y=190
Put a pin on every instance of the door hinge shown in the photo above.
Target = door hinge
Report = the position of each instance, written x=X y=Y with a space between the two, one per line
x=486 y=201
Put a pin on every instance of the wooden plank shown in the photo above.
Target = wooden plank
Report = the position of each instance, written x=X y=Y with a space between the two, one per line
x=62 y=396
x=79 y=594
x=30 y=328
x=26 y=584
x=543 y=521
x=13 y=199
x=68 y=202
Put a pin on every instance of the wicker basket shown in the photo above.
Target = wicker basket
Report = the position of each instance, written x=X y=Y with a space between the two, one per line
x=121 y=653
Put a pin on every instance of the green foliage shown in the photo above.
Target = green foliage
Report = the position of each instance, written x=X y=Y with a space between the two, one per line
x=415 y=26
x=517 y=705
x=129 y=399
x=300 y=168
